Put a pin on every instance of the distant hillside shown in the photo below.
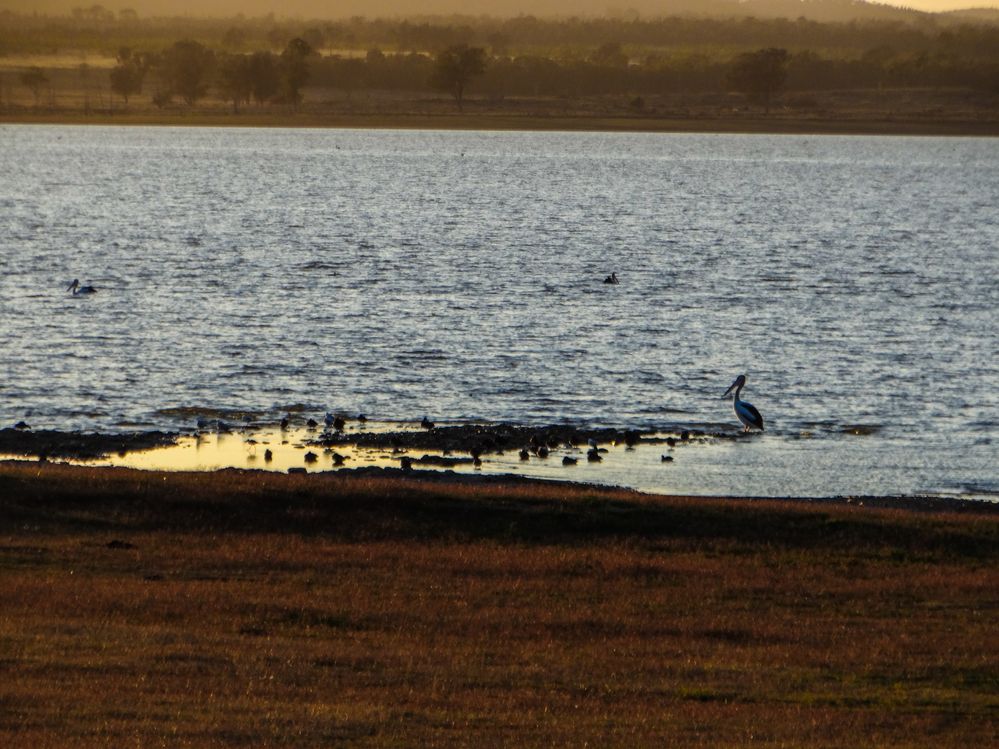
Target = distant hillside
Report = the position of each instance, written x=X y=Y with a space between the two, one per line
x=817 y=10
x=975 y=15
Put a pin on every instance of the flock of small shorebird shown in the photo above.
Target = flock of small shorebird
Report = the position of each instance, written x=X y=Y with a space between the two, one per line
x=747 y=414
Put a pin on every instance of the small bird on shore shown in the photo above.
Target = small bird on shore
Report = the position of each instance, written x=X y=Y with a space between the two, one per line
x=567 y=461
x=78 y=290
x=745 y=411
x=427 y=423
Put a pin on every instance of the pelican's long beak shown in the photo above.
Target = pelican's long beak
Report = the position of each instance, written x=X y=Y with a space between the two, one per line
x=730 y=389
x=70 y=287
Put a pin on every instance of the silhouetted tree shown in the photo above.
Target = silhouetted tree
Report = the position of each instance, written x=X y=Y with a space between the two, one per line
x=128 y=74
x=295 y=69
x=455 y=67
x=760 y=74
x=264 y=76
x=186 y=67
x=236 y=80
x=35 y=80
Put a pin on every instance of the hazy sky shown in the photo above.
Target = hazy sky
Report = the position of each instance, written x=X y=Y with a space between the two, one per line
x=331 y=8
x=938 y=5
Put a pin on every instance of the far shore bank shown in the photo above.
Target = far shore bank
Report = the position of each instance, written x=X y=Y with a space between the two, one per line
x=519 y=122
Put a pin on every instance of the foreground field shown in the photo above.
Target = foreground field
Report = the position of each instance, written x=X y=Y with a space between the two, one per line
x=257 y=610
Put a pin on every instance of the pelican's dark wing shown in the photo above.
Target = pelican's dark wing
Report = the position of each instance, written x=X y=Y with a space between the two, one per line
x=754 y=416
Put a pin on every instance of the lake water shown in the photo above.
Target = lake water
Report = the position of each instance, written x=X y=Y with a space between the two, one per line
x=459 y=274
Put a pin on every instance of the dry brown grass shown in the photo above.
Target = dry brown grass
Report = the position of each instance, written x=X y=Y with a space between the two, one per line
x=261 y=610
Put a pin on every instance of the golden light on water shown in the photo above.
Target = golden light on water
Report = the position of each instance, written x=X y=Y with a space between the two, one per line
x=641 y=467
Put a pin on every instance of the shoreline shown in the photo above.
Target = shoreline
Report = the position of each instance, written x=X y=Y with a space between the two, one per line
x=445 y=454
x=525 y=122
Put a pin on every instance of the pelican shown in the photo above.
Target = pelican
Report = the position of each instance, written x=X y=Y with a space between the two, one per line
x=77 y=289
x=747 y=413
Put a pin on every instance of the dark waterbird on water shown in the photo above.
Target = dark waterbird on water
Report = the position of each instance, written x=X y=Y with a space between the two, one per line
x=612 y=278
x=79 y=290
x=747 y=413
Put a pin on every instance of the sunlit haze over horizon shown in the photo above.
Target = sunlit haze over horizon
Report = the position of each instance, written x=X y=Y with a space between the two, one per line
x=415 y=7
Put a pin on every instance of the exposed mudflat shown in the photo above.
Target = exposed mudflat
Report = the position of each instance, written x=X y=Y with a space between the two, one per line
x=50 y=443
x=453 y=452
x=485 y=438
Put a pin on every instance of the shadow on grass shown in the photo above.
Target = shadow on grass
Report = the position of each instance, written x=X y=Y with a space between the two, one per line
x=59 y=498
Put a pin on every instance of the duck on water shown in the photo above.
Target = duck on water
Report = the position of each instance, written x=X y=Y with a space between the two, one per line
x=78 y=290
x=747 y=413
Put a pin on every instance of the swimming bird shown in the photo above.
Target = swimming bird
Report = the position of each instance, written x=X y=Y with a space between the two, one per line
x=612 y=278
x=747 y=413
x=78 y=290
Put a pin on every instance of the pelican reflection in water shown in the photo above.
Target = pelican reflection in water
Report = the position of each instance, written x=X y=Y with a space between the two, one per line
x=747 y=413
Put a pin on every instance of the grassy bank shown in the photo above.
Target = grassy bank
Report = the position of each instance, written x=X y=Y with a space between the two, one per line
x=256 y=609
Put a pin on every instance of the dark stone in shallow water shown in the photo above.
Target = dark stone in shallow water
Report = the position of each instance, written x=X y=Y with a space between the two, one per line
x=48 y=443
x=439 y=460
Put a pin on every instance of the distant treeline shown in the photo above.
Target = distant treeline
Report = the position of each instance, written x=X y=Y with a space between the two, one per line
x=262 y=61
x=100 y=31
x=606 y=72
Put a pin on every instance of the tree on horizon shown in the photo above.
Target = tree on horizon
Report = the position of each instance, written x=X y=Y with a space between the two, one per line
x=186 y=67
x=455 y=67
x=760 y=75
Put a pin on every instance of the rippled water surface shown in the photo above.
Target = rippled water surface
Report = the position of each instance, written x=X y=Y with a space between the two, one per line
x=459 y=274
